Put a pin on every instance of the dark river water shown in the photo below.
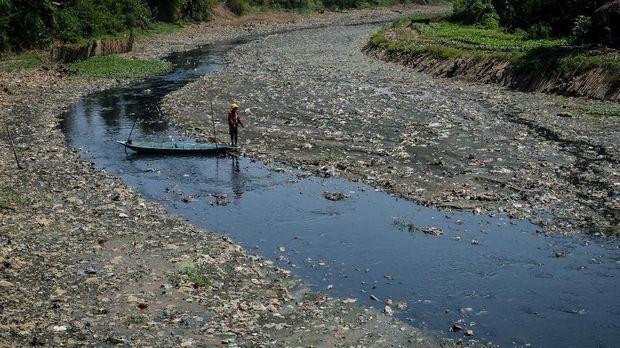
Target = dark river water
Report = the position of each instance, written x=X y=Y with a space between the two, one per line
x=510 y=288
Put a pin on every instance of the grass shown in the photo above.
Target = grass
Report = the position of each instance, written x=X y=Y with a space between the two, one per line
x=565 y=61
x=118 y=67
x=6 y=201
x=195 y=275
x=97 y=69
x=9 y=199
x=21 y=61
x=416 y=35
x=159 y=28
x=474 y=38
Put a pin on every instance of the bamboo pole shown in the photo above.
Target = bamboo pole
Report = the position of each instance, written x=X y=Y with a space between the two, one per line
x=213 y=121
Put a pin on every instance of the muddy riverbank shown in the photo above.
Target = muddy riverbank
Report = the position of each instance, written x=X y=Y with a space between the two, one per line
x=87 y=261
x=596 y=84
x=313 y=99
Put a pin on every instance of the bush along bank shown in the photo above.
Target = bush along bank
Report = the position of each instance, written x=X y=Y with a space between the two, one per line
x=516 y=60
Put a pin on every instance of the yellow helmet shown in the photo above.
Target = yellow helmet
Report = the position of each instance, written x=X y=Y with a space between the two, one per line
x=234 y=105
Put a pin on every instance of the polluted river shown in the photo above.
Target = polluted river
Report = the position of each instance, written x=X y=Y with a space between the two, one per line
x=505 y=279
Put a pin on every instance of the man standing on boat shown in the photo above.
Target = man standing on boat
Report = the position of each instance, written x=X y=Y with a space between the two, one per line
x=234 y=120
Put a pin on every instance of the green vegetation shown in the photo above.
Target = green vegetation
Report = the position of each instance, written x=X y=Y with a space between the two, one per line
x=555 y=17
x=601 y=110
x=6 y=201
x=479 y=38
x=449 y=40
x=9 y=199
x=527 y=52
x=566 y=61
x=117 y=67
x=326 y=159
x=195 y=275
x=27 y=24
x=21 y=61
x=479 y=12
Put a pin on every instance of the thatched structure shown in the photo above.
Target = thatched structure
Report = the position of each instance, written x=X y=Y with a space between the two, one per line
x=71 y=53
x=609 y=15
x=610 y=7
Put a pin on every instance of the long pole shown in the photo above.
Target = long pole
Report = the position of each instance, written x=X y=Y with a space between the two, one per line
x=8 y=133
x=131 y=131
x=213 y=121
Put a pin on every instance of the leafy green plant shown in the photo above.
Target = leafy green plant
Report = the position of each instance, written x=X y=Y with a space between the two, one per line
x=194 y=274
x=601 y=110
x=582 y=30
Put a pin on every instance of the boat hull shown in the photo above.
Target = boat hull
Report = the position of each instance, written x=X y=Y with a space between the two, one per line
x=148 y=148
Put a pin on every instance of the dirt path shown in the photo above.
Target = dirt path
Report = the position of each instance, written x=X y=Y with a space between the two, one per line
x=312 y=98
x=87 y=262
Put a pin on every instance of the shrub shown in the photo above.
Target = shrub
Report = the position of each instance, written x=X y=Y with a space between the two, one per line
x=239 y=7
x=175 y=10
x=90 y=18
x=479 y=12
x=539 y=31
x=582 y=30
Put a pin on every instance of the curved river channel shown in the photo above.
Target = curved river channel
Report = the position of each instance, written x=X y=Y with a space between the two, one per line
x=514 y=287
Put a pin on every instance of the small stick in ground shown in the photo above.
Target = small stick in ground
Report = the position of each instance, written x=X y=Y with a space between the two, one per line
x=8 y=133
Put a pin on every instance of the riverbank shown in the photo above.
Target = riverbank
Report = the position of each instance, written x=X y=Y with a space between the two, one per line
x=314 y=100
x=87 y=261
x=434 y=46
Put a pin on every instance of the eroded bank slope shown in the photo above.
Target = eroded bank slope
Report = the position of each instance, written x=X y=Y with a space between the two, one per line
x=87 y=261
x=596 y=83
x=312 y=98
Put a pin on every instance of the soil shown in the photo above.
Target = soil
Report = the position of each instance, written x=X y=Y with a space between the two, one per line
x=88 y=262
x=313 y=99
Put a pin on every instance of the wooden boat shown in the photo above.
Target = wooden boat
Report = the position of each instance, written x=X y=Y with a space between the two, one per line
x=169 y=148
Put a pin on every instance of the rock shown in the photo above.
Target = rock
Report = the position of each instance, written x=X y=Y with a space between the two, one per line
x=456 y=328
x=387 y=310
x=433 y=231
x=221 y=199
x=335 y=196
x=5 y=284
x=565 y=114
x=59 y=328
x=8 y=263
x=374 y=298
x=466 y=310
x=469 y=333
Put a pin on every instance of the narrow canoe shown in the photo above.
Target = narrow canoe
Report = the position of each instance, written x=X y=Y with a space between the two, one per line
x=169 y=148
